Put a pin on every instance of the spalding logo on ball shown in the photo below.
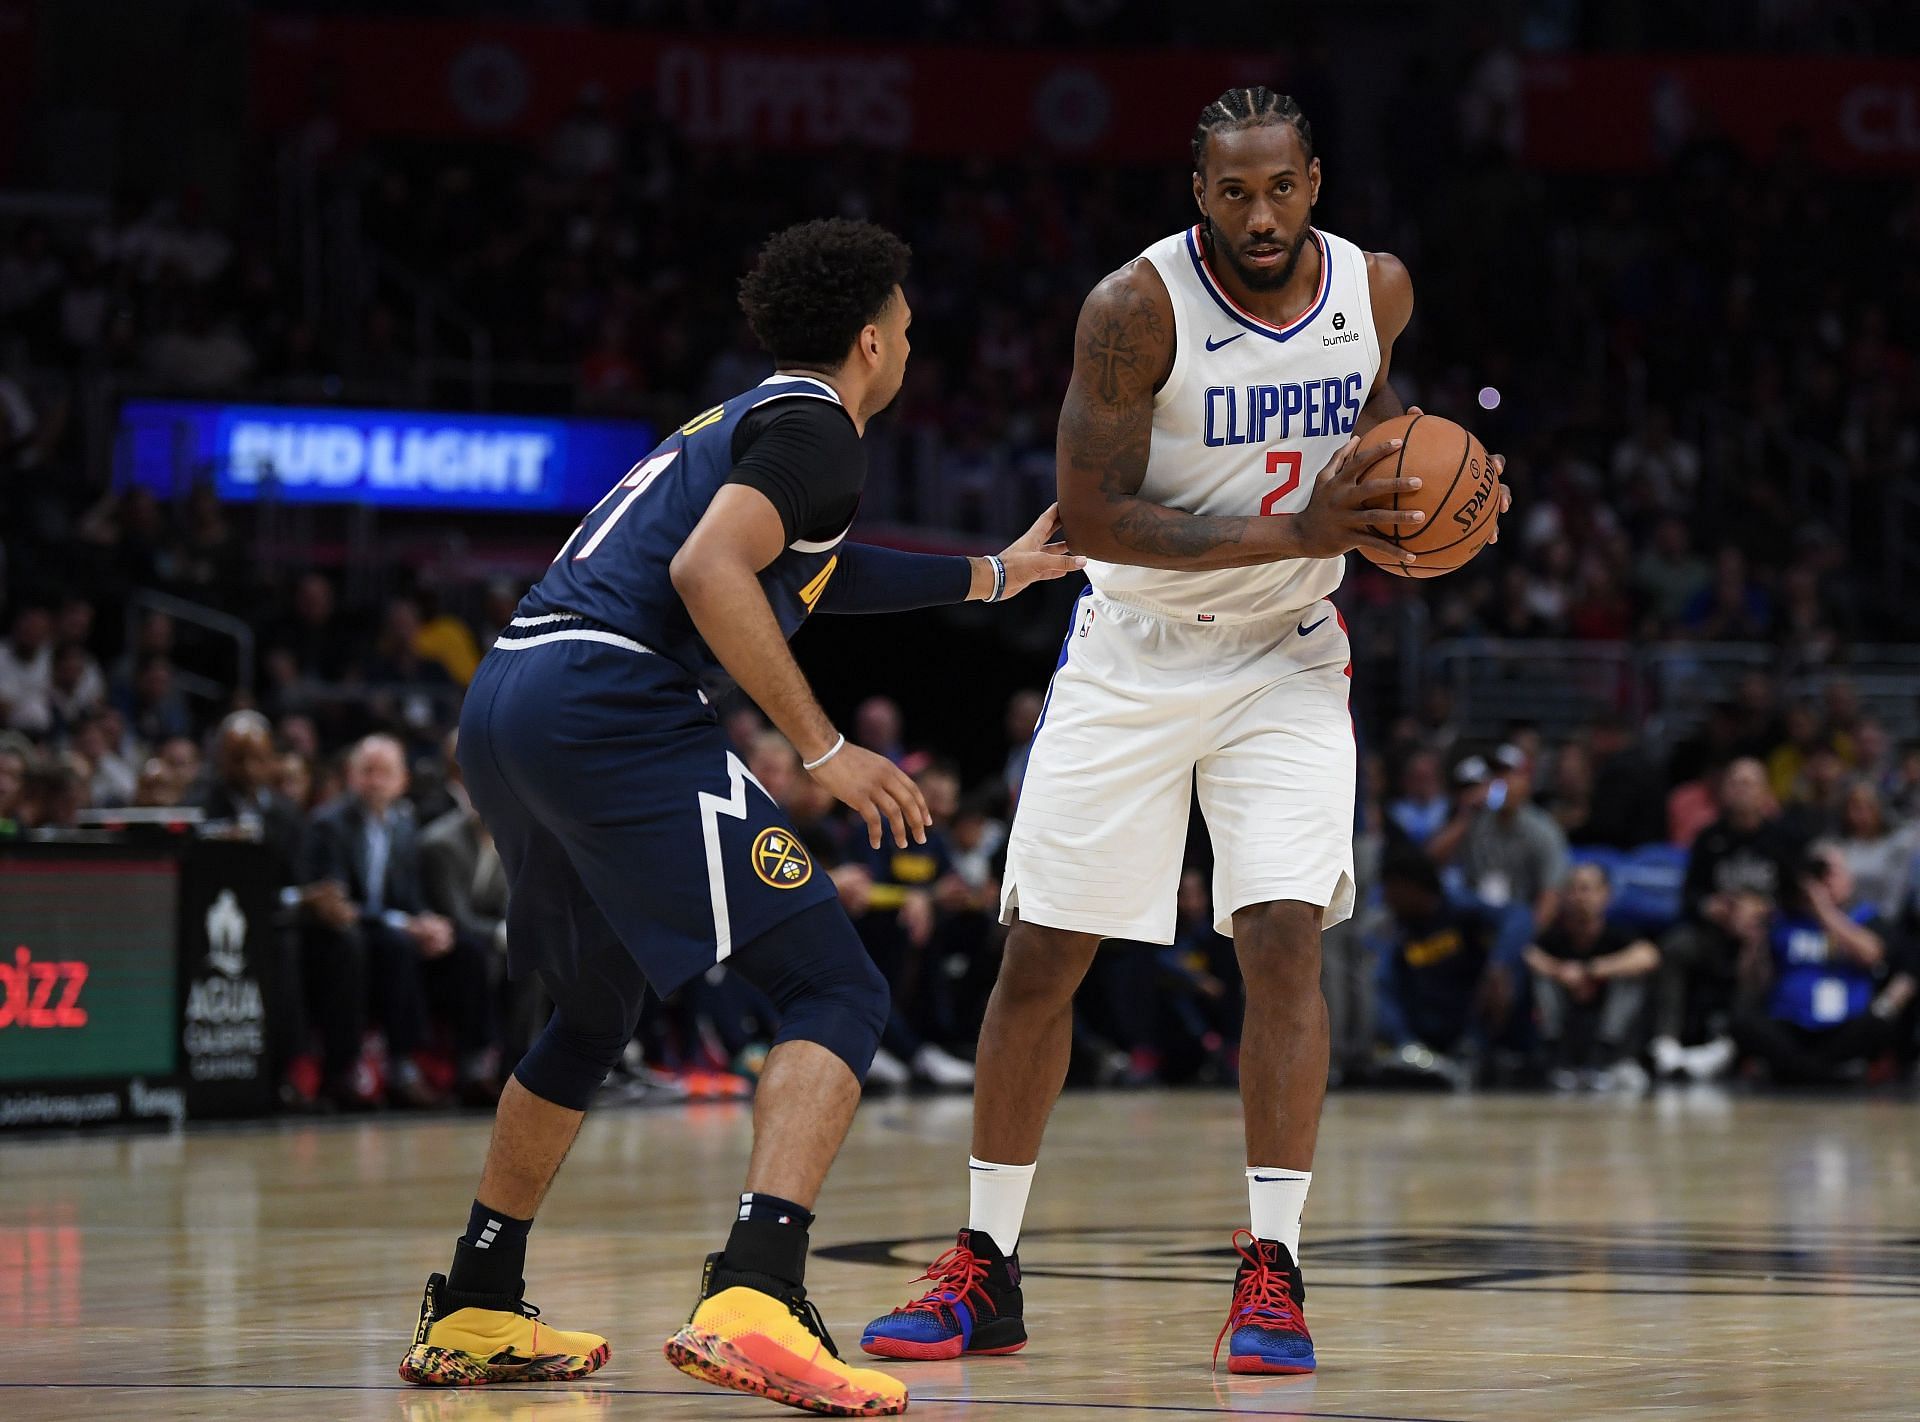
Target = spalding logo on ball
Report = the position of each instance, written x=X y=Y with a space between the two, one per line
x=1459 y=490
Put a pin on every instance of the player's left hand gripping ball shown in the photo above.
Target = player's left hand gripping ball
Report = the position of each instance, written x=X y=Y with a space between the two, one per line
x=1499 y=473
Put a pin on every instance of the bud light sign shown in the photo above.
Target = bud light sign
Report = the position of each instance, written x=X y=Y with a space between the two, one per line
x=398 y=458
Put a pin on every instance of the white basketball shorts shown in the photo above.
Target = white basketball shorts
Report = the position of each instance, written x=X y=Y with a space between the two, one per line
x=1143 y=708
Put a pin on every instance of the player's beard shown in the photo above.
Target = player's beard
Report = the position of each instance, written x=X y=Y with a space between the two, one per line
x=1257 y=278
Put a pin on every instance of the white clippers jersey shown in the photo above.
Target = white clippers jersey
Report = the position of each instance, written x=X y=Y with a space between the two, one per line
x=1251 y=412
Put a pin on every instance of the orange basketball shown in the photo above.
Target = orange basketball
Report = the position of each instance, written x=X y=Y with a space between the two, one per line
x=1459 y=491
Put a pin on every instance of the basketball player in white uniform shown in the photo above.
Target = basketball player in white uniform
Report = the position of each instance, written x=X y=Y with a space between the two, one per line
x=1211 y=468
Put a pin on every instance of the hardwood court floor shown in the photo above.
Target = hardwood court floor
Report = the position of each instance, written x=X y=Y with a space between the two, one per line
x=1469 y=1259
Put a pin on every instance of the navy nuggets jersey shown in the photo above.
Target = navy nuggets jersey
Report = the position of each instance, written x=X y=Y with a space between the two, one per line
x=613 y=571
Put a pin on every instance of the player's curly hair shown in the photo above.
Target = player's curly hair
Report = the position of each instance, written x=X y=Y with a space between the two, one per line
x=1249 y=108
x=815 y=285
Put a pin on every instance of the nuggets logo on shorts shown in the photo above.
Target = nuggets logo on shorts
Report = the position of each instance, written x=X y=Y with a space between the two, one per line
x=780 y=859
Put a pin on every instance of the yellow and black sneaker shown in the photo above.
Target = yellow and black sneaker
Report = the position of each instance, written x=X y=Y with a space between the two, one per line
x=467 y=1340
x=753 y=1333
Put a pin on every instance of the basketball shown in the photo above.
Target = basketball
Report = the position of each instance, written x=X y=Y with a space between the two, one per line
x=1459 y=491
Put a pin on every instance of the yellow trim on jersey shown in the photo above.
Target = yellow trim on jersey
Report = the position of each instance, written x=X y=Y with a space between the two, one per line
x=810 y=594
x=703 y=419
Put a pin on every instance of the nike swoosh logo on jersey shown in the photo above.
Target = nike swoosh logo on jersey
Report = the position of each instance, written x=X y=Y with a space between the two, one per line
x=1303 y=629
x=1214 y=345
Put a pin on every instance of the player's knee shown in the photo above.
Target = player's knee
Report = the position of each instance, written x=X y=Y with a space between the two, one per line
x=1278 y=945
x=1044 y=965
x=817 y=972
x=567 y=1063
x=845 y=1012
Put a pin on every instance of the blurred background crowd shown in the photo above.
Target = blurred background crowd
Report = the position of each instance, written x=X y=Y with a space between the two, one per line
x=1642 y=784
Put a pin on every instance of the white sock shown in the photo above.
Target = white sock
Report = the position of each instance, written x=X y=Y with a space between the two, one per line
x=997 y=1200
x=1277 y=1197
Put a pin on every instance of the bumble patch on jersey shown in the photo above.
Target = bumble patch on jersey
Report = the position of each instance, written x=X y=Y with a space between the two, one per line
x=781 y=860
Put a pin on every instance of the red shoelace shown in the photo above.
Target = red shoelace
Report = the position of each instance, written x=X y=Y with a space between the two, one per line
x=1263 y=1294
x=954 y=1275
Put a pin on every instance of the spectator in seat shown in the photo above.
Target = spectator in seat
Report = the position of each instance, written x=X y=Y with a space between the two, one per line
x=314 y=633
x=241 y=793
x=1744 y=852
x=1590 y=989
x=293 y=778
x=1836 y=985
x=181 y=755
x=1024 y=709
x=1422 y=808
x=1732 y=607
x=55 y=793
x=909 y=888
x=1818 y=803
x=1444 y=982
x=114 y=777
x=1508 y=850
x=76 y=688
x=26 y=673
x=373 y=949
x=1801 y=737
x=1879 y=854
x=462 y=879
x=154 y=706
x=446 y=639
x=242 y=789
x=876 y=725
x=16 y=759
x=1669 y=574
x=398 y=660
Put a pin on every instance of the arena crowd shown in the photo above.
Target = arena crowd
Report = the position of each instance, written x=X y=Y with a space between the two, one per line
x=1582 y=907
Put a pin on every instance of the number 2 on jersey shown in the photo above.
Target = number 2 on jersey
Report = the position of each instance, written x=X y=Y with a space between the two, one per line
x=1278 y=459
x=638 y=480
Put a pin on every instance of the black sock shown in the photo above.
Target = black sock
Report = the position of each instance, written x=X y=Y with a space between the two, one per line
x=769 y=1237
x=491 y=1256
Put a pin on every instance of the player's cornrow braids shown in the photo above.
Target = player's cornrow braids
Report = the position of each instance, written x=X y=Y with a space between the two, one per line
x=1252 y=107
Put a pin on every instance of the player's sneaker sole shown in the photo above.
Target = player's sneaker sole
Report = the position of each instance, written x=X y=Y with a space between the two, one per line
x=449 y=1367
x=1268 y=1367
x=910 y=1350
x=723 y=1363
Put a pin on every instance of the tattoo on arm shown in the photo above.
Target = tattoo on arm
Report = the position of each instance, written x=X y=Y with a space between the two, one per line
x=1153 y=528
x=1106 y=429
x=1113 y=345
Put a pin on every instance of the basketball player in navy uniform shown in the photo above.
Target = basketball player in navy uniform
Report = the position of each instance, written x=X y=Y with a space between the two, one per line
x=1211 y=466
x=639 y=849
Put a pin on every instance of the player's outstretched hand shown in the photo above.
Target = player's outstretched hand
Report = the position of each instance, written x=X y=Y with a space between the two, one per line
x=1499 y=472
x=877 y=790
x=1336 y=519
x=1038 y=555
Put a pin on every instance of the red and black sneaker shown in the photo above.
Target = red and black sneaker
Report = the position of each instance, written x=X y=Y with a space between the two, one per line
x=1268 y=1318
x=973 y=1307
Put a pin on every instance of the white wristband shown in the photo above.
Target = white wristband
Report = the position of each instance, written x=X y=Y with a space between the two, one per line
x=839 y=744
x=999 y=578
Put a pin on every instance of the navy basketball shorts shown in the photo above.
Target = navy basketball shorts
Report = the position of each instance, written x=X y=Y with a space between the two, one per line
x=631 y=833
